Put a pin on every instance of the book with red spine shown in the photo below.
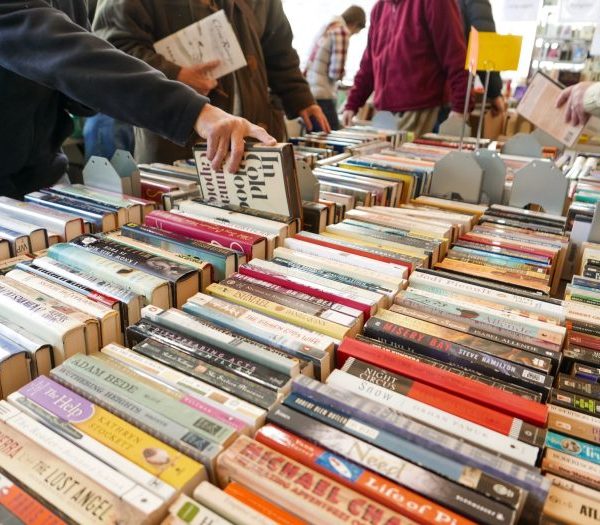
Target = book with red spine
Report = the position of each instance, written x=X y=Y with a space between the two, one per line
x=449 y=403
x=380 y=489
x=328 y=242
x=153 y=190
x=248 y=243
x=494 y=398
x=293 y=284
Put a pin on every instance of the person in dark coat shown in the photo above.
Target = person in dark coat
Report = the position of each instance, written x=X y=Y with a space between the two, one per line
x=51 y=67
x=257 y=91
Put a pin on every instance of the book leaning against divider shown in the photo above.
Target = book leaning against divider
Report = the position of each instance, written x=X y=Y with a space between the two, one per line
x=40 y=352
x=298 y=341
x=18 y=505
x=266 y=180
x=48 y=318
x=71 y=491
x=65 y=224
x=228 y=506
x=153 y=289
x=128 y=303
x=223 y=260
x=133 y=452
x=108 y=319
x=140 y=498
x=122 y=405
x=183 y=280
x=222 y=338
x=203 y=268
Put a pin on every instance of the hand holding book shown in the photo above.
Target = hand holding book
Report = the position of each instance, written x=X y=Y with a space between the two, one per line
x=574 y=98
x=225 y=132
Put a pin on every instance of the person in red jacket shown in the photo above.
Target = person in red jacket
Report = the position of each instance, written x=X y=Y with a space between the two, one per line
x=414 y=47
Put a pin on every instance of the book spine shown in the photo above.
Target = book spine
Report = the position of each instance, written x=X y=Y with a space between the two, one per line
x=133 y=280
x=576 y=402
x=573 y=447
x=460 y=372
x=452 y=425
x=424 y=436
x=225 y=339
x=514 y=355
x=573 y=487
x=23 y=507
x=234 y=509
x=457 y=355
x=116 y=483
x=306 y=286
x=496 y=399
x=390 y=494
x=63 y=486
x=200 y=231
x=581 y=426
x=161 y=351
x=146 y=419
x=461 y=500
x=48 y=400
x=571 y=467
x=273 y=309
x=269 y=293
x=461 y=326
x=465 y=476
x=563 y=505
x=332 y=503
x=451 y=404
x=118 y=378
x=586 y=373
x=67 y=205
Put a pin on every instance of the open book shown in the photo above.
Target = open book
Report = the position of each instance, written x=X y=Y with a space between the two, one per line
x=211 y=38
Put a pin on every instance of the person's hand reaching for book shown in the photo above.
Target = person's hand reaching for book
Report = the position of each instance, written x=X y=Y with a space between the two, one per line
x=347 y=118
x=314 y=111
x=224 y=132
x=198 y=77
x=573 y=97
x=498 y=105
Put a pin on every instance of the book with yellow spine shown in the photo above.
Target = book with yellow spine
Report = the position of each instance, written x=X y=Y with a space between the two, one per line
x=278 y=311
x=154 y=456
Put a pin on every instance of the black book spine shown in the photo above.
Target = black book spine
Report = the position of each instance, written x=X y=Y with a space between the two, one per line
x=585 y=405
x=578 y=386
x=457 y=355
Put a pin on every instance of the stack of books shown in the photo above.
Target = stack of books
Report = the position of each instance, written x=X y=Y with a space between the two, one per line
x=165 y=184
x=521 y=248
x=572 y=457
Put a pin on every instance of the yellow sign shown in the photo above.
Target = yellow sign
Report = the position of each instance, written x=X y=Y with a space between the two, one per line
x=495 y=52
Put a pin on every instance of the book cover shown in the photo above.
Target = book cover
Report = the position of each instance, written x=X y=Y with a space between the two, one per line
x=266 y=180
x=571 y=467
x=573 y=447
x=564 y=505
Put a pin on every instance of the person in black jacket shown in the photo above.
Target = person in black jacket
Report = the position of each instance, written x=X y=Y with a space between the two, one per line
x=478 y=14
x=51 y=66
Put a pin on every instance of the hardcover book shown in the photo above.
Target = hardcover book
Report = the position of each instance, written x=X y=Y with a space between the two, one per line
x=267 y=180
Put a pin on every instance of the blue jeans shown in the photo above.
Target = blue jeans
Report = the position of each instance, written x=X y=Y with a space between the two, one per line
x=330 y=110
x=103 y=135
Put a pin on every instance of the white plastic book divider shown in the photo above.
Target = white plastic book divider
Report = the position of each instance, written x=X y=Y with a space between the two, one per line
x=523 y=145
x=494 y=176
x=126 y=167
x=122 y=176
x=309 y=184
x=542 y=184
x=457 y=176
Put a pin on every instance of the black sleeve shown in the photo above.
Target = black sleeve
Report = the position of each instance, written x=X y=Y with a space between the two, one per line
x=42 y=44
x=282 y=62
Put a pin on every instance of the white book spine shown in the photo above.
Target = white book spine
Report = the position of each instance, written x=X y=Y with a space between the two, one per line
x=252 y=318
x=392 y=270
x=117 y=484
x=98 y=450
x=391 y=285
x=432 y=416
x=228 y=506
x=349 y=292
x=427 y=281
